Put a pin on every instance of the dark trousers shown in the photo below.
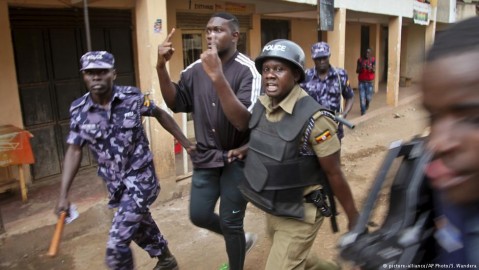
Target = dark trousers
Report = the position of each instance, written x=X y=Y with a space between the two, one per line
x=209 y=185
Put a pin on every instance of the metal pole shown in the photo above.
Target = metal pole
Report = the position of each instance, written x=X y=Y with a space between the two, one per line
x=87 y=24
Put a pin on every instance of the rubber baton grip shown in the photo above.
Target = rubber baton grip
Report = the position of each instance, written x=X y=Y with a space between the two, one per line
x=344 y=122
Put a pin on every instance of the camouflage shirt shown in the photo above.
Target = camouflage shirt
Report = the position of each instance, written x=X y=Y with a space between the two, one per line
x=327 y=92
x=117 y=139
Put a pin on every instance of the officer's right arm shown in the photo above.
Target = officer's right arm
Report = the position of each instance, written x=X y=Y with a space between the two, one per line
x=71 y=164
x=165 y=52
x=326 y=145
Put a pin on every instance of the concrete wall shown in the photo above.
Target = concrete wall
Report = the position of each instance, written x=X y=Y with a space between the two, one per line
x=464 y=11
x=304 y=33
x=353 y=51
x=401 y=8
x=162 y=145
x=10 y=109
x=446 y=11
x=122 y=4
x=415 y=52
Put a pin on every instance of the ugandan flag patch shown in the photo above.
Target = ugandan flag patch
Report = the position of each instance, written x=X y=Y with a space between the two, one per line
x=323 y=137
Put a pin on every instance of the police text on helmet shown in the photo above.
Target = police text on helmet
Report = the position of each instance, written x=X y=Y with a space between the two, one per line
x=274 y=47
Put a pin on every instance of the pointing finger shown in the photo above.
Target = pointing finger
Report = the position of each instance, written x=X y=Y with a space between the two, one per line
x=213 y=46
x=170 y=35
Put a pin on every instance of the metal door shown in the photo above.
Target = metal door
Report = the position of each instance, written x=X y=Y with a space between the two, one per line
x=48 y=44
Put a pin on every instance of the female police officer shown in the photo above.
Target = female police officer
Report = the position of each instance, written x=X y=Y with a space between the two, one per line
x=289 y=135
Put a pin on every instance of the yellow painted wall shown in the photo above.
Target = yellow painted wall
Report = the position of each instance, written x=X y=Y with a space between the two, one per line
x=304 y=33
x=412 y=51
x=416 y=44
x=404 y=51
x=394 y=58
x=353 y=51
x=147 y=40
x=122 y=4
x=10 y=110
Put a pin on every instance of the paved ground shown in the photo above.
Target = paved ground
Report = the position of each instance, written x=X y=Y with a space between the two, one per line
x=29 y=226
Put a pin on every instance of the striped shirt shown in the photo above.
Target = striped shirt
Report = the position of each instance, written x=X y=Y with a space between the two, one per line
x=195 y=93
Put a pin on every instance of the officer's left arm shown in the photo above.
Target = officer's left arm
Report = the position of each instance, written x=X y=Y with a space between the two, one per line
x=168 y=123
x=327 y=148
x=347 y=94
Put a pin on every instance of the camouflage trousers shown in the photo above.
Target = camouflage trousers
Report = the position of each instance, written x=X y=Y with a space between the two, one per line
x=130 y=223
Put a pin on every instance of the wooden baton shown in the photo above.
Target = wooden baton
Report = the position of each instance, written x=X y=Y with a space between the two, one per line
x=57 y=235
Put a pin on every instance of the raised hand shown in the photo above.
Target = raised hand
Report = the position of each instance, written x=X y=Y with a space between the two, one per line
x=165 y=50
x=211 y=61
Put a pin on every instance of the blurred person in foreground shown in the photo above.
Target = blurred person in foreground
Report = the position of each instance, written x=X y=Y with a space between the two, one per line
x=450 y=87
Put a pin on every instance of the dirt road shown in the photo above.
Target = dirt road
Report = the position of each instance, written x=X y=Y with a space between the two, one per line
x=83 y=243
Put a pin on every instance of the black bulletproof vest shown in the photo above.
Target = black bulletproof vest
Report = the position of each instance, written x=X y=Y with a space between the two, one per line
x=276 y=173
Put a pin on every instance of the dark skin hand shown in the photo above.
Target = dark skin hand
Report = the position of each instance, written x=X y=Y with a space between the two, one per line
x=168 y=123
x=234 y=110
x=238 y=153
x=165 y=52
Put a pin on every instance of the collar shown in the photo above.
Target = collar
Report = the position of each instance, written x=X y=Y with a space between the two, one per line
x=287 y=104
x=116 y=95
x=331 y=72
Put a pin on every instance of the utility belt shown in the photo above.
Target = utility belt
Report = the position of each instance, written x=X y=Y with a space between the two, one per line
x=319 y=198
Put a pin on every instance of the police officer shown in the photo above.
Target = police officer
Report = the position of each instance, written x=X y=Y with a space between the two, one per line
x=108 y=120
x=292 y=146
x=327 y=84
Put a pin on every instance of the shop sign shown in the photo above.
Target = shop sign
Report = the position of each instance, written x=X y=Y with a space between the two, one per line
x=421 y=12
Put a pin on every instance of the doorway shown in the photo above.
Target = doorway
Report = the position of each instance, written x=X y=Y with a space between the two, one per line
x=274 y=29
x=364 y=39
x=48 y=44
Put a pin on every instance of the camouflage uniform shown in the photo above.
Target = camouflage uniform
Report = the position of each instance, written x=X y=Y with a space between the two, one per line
x=327 y=92
x=118 y=141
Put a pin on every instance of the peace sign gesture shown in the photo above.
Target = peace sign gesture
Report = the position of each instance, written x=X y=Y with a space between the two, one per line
x=165 y=50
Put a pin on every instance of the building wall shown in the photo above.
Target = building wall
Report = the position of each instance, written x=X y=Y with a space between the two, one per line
x=304 y=33
x=122 y=4
x=464 y=11
x=446 y=11
x=10 y=109
x=353 y=51
x=415 y=52
x=401 y=8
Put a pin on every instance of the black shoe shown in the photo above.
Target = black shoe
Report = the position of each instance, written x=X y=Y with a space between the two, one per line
x=166 y=261
x=367 y=105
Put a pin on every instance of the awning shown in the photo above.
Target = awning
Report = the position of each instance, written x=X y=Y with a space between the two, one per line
x=309 y=2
